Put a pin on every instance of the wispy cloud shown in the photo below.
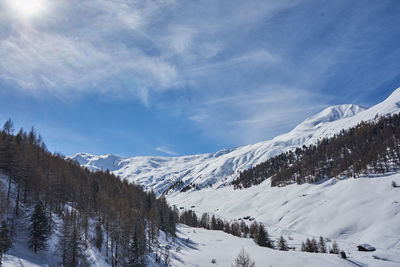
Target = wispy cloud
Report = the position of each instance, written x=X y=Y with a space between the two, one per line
x=126 y=48
x=253 y=57
x=79 y=46
x=166 y=150
x=255 y=116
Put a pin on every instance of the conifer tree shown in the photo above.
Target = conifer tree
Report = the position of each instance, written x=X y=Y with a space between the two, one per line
x=263 y=238
x=137 y=247
x=76 y=245
x=254 y=230
x=308 y=246
x=321 y=245
x=282 y=244
x=213 y=223
x=99 y=236
x=5 y=242
x=314 y=245
x=39 y=229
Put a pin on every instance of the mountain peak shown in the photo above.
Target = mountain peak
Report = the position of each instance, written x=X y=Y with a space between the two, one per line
x=332 y=113
x=98 y=162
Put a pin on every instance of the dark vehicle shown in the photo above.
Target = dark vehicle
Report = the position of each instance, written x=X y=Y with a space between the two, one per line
x=365 y=247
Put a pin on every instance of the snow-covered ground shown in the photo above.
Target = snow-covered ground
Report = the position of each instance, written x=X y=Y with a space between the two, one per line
x=218 y=169
x=205 y=245
x=350 y=211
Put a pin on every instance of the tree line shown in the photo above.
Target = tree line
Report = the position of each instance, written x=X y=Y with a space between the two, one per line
x=61 y=195
x=256 y=230
x=369 y=147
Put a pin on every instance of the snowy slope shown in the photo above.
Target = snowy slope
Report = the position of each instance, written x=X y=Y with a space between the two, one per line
x=159 y=173
x=206 y=245
x=350 y=211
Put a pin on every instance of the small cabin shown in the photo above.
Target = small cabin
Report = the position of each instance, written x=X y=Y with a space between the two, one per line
x=365 y=247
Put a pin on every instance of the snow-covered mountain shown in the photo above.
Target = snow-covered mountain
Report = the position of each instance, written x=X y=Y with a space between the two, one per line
x=217 y=169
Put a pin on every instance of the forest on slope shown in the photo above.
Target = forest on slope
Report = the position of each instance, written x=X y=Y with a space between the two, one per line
x=369 y=147
x=126 y=220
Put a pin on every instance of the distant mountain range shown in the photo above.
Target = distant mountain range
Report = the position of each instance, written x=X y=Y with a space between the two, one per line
x=220 y=168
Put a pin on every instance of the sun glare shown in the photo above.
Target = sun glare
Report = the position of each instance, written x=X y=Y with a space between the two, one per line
x=28 y=7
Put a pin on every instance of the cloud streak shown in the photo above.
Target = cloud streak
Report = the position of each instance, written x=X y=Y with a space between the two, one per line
x=166 y=150
x=254 y=116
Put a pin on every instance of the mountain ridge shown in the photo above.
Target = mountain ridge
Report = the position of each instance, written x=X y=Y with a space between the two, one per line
x=160 y=173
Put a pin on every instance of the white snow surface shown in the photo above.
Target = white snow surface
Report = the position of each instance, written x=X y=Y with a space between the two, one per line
x=205 y=245
x=350 y=211
x=218 y=169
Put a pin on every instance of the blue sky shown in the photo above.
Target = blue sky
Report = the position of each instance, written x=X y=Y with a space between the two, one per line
x=174 y=78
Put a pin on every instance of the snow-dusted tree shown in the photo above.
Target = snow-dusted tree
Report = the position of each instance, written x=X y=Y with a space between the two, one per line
x=5 y=242
x=321 y=245
x=39 y=229
x=282 y=244
x=243 y=260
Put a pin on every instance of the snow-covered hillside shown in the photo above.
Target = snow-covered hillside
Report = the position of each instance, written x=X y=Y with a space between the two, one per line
x=206 y=245
x=350 y=211
x=160 y=173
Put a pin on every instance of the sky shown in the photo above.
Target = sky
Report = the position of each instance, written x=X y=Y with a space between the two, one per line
x=170 y=77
